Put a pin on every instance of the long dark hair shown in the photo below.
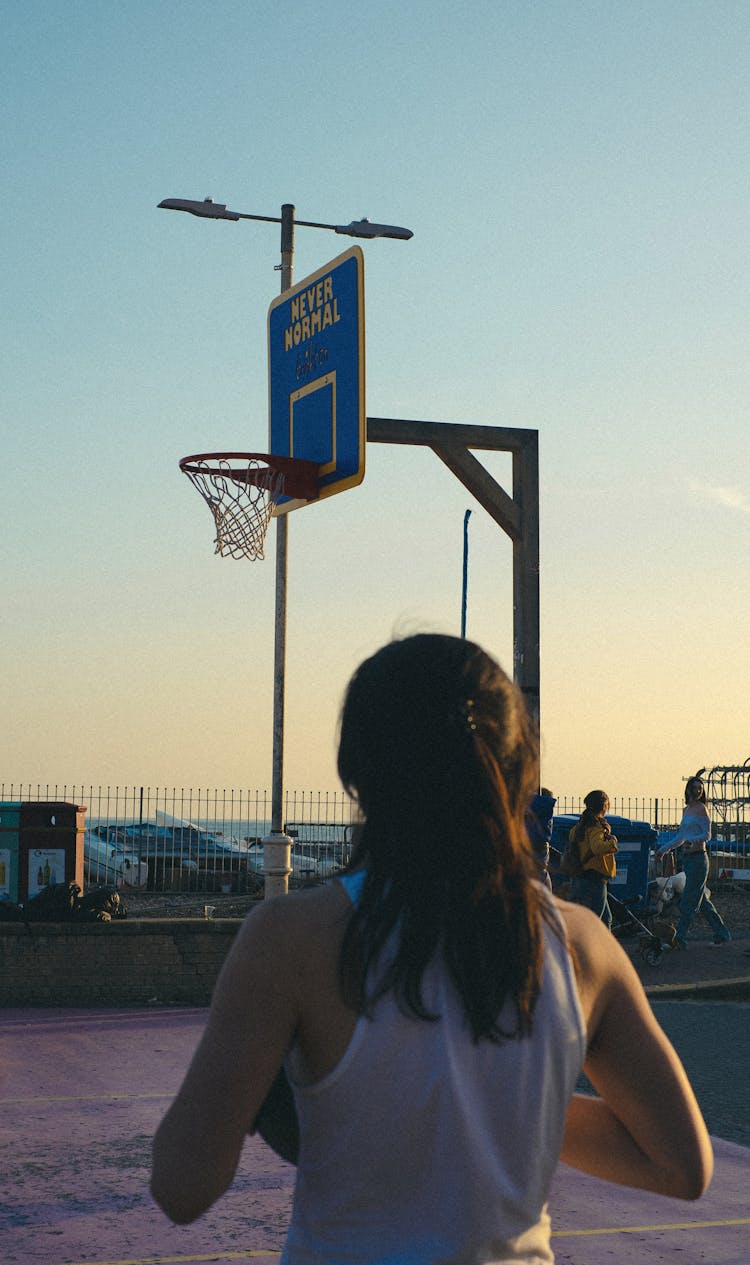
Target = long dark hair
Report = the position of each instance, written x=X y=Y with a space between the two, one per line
x=437 y=748
x=695 y=781
x=595 y=803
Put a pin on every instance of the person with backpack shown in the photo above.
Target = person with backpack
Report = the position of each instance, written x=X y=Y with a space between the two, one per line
x=596 y=847
x=433 y=1006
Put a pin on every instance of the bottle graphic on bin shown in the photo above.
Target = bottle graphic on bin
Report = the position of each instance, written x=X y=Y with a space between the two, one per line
x=40 y=877
x=46 y=872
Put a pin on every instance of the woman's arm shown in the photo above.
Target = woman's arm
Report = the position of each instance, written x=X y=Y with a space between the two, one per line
x=250 y=1027
x=695 y=827
x=645 y=1129
x=675 y=840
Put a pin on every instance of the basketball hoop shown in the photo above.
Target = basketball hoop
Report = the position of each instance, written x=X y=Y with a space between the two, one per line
x=241 y=489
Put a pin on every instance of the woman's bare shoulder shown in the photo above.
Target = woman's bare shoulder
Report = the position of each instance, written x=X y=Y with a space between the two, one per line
x=299 y=919
x=598 y=958
x=589 y=938
x=574 y=916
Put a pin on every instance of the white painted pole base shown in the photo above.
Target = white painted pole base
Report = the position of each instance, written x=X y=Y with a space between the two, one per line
x=277 y=867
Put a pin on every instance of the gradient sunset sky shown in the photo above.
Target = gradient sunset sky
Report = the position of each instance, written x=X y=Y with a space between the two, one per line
x=577 y=181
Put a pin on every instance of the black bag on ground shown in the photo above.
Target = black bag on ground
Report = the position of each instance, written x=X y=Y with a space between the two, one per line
x=58 y=902
x=101 y=905
x=10 y=912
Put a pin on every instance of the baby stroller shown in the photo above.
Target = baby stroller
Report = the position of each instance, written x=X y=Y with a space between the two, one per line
x=653 y=921
x=654 y=936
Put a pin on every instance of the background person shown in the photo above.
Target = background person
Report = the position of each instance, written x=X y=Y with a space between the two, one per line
x=596 y=848
x=692 y=836
x=417 y=998
x=539 y=824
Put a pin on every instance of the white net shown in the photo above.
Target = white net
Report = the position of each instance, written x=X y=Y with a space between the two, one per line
x=241 y=509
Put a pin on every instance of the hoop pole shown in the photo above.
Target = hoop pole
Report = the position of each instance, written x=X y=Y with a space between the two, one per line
x=277 y=847
x=465 y=583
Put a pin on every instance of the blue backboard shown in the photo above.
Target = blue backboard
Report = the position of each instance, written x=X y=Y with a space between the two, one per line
x=316 y=374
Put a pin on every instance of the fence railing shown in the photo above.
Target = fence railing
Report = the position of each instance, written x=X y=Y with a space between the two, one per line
x=661 y=812
x=185 y=839
x=211 y=839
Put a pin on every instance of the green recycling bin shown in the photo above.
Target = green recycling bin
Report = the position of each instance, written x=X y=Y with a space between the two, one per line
x=50 y=846
x=10 y=847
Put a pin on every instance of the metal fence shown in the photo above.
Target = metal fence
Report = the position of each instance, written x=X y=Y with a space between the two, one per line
x=661 y=812
x=178 y=839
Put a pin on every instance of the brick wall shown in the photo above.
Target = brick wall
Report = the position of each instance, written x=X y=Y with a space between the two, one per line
x=128 y=963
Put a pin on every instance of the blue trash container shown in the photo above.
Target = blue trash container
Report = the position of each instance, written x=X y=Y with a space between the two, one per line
x=635 y=839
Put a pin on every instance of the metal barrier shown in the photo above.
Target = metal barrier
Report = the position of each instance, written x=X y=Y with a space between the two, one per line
x=181 y=839
x=661 y=812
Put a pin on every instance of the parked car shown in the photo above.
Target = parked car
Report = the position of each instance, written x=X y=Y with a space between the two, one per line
x=319 y=849
x=183 y=855
x=110 y=832
x=170 y=861
x=255 y=856
x=104 y=862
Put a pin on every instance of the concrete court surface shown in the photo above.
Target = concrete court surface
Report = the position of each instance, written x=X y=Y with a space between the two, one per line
x=82 y=1091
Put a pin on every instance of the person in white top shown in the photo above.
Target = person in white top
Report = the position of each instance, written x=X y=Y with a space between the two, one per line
x=434 y=1007
x=692 y=836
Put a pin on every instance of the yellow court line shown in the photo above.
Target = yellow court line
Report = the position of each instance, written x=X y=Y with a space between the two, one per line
x=184 y=1260
x=19 y=1102
x=644 y=1229
x=250 y=1255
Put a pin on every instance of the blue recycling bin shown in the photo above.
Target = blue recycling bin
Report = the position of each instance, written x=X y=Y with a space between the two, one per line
x=635 y=840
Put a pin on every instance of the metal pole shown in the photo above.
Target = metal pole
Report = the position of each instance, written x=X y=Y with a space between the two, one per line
x=526 y=574
x=277 y=846
x=464 y=589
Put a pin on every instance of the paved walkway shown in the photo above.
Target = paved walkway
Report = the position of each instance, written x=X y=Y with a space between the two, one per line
x=82 y=1091
x=701 y=970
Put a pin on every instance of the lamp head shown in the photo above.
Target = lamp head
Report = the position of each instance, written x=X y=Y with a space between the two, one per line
x=207 y=209
x=365 y=228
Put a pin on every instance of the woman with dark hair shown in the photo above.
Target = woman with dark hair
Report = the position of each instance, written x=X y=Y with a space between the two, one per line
x=596 y=850
x=692 y=837
x=433 y=1006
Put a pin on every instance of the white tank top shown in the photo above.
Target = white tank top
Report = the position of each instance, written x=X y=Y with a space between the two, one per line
x=422 y=1148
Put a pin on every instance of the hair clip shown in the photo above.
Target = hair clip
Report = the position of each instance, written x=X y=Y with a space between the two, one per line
x=470 y=721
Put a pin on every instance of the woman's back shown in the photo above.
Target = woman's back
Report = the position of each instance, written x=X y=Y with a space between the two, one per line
x=424 y=1146
x=435 y=1025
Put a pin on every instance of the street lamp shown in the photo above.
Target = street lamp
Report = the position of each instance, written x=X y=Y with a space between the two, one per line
x=210 y=210
x=277 y=845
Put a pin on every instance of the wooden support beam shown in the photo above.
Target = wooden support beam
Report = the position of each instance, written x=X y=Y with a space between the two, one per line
x=517 y=515
x=389 y=430
x=480 y=483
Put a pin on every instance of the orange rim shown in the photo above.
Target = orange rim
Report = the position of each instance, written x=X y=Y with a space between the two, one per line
x=300 y=477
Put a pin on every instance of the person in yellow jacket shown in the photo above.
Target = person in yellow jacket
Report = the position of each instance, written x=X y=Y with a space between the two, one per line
x=596 y=848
